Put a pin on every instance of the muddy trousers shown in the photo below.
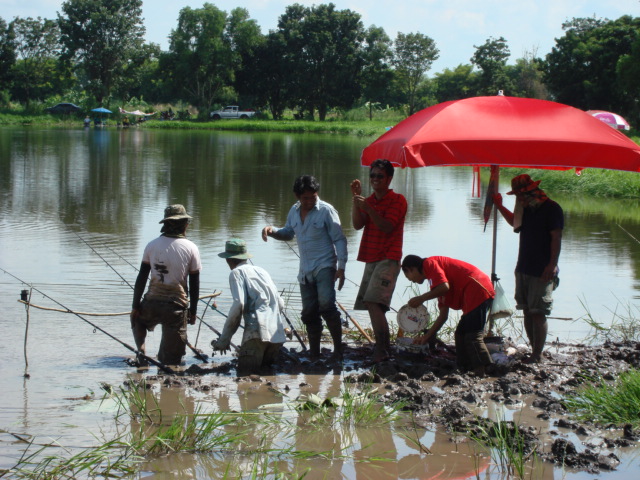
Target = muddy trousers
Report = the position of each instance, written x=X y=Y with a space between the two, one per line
x=173 y=318
x=471 y=351
x=254 y=355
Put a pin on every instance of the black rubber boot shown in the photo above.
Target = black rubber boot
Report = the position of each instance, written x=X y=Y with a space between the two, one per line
x=335 y=329
x=314 y=345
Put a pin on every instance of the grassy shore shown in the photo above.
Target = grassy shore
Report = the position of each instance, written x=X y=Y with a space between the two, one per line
x=592 y=182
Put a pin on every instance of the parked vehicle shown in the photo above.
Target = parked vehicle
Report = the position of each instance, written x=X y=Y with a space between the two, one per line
x=231 y=111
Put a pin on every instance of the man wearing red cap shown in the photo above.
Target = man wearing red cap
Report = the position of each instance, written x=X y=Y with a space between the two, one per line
x=539 y=222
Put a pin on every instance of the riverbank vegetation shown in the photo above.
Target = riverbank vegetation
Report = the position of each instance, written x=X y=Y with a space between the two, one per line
x=591 y=182
x=95 y=55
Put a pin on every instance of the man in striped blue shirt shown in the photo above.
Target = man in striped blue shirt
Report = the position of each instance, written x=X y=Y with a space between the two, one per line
x=323 y=258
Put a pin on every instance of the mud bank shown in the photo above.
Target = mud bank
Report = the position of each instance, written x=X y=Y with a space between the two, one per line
x=437 y=394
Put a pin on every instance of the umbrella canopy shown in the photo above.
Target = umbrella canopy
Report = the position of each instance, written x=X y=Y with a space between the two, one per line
x=63 y=108
x=101 y=110
x=505 y=131
x=138 y=113
x=612 y=119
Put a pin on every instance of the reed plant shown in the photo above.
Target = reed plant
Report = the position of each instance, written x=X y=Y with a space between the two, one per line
x=366 y=409
x=603 y=402
x=508 y=444
x=352 y=408
x=107 y=460
x=148 y=434
x=623 y=326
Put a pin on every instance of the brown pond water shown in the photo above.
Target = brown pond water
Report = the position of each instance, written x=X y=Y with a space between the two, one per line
x=62 y=188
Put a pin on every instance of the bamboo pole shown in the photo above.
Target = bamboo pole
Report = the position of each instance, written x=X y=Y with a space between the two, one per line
x=26 y=336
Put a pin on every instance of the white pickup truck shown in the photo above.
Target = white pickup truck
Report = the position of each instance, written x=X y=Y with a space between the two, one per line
x=231 y=111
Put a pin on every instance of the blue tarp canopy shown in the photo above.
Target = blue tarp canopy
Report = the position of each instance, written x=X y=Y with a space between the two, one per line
x=101 y=110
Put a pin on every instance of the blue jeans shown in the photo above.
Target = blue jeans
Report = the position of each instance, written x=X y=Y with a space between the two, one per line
x=319 y=300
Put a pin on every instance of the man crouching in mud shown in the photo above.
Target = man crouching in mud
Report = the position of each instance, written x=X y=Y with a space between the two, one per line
x=168 y=260
x=461 y=286
x=256 y=298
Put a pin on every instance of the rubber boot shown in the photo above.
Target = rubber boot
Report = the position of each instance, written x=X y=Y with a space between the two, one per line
x=314 y=345
x=335 y=329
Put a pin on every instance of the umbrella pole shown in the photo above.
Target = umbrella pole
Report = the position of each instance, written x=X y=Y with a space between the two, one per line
x=494 y=276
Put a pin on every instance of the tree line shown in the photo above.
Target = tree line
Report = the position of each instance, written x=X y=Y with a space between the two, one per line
x=318 y=59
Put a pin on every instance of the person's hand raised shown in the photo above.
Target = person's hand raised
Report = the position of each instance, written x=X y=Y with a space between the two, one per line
x=356 y=187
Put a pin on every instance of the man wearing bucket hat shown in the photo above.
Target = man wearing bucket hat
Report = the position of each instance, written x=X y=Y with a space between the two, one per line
x=168 y=261
x=539 y=222
x=256 y=299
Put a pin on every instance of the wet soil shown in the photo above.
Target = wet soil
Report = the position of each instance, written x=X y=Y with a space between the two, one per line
x=430 y=386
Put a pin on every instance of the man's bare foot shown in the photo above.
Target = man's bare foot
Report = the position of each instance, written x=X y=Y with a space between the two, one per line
x=380 y=355
x=531 y=359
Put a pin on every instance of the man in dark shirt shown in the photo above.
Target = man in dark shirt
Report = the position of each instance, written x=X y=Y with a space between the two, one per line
x=539 y=222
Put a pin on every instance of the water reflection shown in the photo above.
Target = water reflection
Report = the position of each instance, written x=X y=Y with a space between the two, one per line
x=111 y=187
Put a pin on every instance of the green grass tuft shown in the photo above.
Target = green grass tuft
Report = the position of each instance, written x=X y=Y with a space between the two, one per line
x=606 y=403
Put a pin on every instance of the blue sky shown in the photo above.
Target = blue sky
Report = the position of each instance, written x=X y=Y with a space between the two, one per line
x=455 y=25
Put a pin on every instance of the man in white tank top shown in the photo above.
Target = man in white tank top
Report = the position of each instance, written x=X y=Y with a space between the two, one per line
x=172 y=263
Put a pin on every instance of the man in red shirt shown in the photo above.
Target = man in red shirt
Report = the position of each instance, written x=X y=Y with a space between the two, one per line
x=460 y=286
x=382 y=216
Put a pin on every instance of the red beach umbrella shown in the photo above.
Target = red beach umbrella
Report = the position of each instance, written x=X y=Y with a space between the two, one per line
x=504 y=131
x=612 y=119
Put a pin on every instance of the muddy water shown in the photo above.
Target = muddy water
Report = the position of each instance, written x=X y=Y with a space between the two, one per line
x=62 y=188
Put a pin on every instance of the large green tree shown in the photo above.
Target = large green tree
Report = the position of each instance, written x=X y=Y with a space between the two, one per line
x=491 y=58
x=628 y=70
x=413 y=55
x=207 y=50
x=324 y=52
x=143 y=78
x=7 y=53
x=270 y=75
x=245 y=39
x=581 y=69
x=377 y=75
x=198 y=64
x=101 y=37
x=455 y=84
x=527 y=77
x=36 y=74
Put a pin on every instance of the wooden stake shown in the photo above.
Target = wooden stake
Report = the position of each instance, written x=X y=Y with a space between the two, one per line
x=353 y=320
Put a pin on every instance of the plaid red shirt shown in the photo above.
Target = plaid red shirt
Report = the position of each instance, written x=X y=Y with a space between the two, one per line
x=377 y=245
